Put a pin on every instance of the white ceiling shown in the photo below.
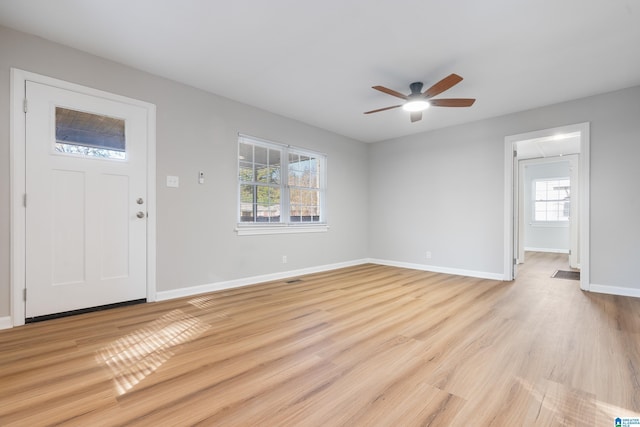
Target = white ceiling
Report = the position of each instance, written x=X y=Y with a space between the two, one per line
x=315 y=61
x=549 y=146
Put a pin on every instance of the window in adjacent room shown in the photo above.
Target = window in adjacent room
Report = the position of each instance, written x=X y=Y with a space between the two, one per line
x=552 y=201
x=279 y=186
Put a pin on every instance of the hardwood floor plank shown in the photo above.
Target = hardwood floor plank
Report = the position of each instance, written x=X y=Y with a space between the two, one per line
x=368 y=345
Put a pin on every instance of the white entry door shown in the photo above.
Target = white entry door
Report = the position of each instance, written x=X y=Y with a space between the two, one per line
x=86 y=172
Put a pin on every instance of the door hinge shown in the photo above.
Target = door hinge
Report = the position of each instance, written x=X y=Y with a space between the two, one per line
x=24 y=294
x=515 y=261
x=24 y=200
x=569 y=251
x=515 y=153
x=25 y=105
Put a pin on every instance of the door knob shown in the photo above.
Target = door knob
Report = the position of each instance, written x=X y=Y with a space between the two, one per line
x=140 y=214
x=139 y=201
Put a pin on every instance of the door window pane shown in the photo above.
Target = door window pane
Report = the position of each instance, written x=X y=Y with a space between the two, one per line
x=90 y=135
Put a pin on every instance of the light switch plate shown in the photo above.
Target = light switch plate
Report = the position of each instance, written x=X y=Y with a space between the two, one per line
x=173 y=181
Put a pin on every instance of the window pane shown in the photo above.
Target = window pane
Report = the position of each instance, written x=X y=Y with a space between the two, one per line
x=245 y=153
x=247 y=207
x=294 y=169
x=294 y=161
x=274 y=195
x=305 y=205
x=261 y=155
x=267 y=166
x=303 y=172
x=90 y=135
x=262 y=173
x=246 y=172
x=246 y=193
x=267 y=203
x=274 y=166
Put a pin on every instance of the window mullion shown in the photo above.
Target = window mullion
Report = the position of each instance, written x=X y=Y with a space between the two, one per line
x=284 y=200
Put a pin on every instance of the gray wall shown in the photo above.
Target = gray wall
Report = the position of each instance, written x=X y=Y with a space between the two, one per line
x=196 y=131
x=551 y=237
x=442 y=191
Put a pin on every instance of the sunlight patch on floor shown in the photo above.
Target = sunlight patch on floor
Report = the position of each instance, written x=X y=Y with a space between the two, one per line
x=136 y=355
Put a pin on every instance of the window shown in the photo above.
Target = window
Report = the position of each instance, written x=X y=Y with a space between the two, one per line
x=89 y=135
x=279 y=186
x=551 y=200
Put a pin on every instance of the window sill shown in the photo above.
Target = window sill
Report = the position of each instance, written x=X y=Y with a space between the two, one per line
x=252 y=230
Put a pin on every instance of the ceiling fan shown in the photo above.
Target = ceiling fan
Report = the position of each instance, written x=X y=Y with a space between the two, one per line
x=417 y=102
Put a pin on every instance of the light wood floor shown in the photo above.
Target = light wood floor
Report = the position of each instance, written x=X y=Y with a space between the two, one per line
x=363 y=346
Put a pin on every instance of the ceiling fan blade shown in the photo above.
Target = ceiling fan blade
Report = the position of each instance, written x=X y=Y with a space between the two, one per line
x=447 y=83
x=415 y=116
x=389 y=91
x=453 y=102
x=383 y=109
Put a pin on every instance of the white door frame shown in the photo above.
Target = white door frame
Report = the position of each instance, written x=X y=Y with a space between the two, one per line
x=509 y=207
x=17 y=173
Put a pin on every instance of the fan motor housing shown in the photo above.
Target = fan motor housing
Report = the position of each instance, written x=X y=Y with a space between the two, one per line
x=416 y=87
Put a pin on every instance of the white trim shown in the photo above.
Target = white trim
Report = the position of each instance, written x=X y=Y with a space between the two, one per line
x=436 y=269
x=615 y=290
x=151 y=202
x=246 y=281
x=510 y=145
x=252 y=230
x=547 y=250
x=5 y=322
x=18 y=175
x=509 y=208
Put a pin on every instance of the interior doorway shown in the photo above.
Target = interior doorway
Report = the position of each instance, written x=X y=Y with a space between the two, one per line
x=546 y=197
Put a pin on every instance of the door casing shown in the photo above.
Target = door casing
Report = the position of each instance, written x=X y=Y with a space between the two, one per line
x=18 y=183
x=510 y=221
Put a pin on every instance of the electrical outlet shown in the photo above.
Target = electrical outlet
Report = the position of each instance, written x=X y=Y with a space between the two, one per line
x=428 y=255
x=173 y=181
x=284 y=259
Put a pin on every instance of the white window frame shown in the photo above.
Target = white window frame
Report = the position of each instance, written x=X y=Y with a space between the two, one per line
x=546 y=223
x=284 y=226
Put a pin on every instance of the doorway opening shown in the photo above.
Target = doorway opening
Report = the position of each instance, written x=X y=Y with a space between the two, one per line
x=547 y=197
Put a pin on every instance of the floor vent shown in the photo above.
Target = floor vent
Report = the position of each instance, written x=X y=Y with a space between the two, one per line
x=564 y=274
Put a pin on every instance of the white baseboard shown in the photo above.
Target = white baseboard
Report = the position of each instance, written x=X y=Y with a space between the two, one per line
x=614 y=290
x=436 y=269
x=229 y=284
x=5 y=322
x=246 y=281
x=548 y=250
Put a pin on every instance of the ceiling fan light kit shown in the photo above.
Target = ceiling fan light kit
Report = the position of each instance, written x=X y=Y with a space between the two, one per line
x=416 y=105
x=416 y=101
